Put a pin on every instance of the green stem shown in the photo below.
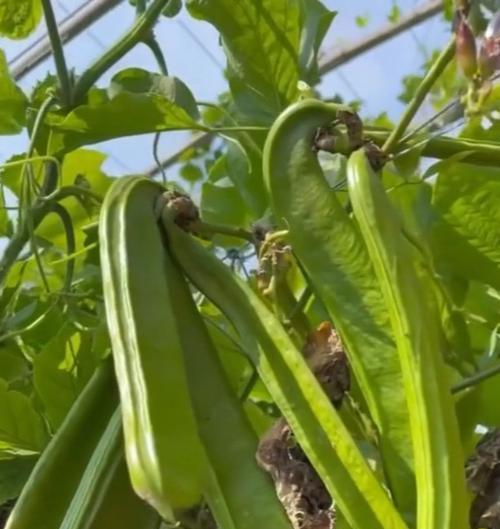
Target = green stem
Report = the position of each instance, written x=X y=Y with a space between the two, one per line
x=153 y=45
x=71 y=191
x=135 y=34
x=425 y=86
x=481 y=152
x=476 y=379
x=58 y=52
x=209 y=229
x=301 y=303
x=21 y=237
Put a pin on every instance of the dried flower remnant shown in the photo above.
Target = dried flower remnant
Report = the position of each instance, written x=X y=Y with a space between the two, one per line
x=483 y=478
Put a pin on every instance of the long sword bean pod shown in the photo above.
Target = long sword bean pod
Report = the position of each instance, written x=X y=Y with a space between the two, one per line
x=105 y=492
x=328 y=245
x=316 y=424
x=441 y=491
x=163 y=451
x=240 y=494
x=56 y=476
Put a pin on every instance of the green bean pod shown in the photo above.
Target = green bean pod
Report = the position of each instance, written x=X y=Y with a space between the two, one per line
x=239 y=493
x=51 y=486
x=329 y=246
x=315 y=422
x=164 y=454
x=441 y=492
x=104 y=494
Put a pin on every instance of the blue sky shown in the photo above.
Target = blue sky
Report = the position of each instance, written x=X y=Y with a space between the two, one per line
x=193 y=54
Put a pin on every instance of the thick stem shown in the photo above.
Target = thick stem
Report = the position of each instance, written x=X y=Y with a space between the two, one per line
x=481 y=152
x=137 y=33
x=425 y=86
x=58 y=52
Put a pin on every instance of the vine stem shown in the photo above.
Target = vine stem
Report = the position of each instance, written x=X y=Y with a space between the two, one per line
x=480 y=152
x=40 y=209
x=58 y=52
x=153 y=45
x=209 y=229
x=136 y=34
x=424 y=88
x=476 y=379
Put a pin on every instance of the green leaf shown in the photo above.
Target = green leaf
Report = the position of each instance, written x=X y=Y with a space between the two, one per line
x=22 y=430
x=410 y=85
x=172 y=9
x=13 y=365
x=221 y=203
x=262 y=44
x=138 y=103
x=191 y=172
x=5 y=225
x=59 y=375
x=13 y=475
x=138 y=81
x=468 y=198
x=13 y=102
x=394 y=14
x=362 y=20
x=18 y=18
x=244 y=168
x=317 y=21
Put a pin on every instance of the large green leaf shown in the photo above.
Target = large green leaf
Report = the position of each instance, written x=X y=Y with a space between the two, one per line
x=18 y=18
x=221 y=202
x=467 y=197
x=137 y=102
x=244 y=168
x=13 y=102
x=22 y=430
x=264 y=45
x=317 y=21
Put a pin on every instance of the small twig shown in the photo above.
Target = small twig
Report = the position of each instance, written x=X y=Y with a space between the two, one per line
x=475 y=379
x=67 y=223
x=301 y=303
x=58 y=52
x=249 y=385
x=153 y=45
x=425 y=86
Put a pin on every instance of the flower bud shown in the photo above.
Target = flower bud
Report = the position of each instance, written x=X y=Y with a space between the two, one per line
x=466 y=49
